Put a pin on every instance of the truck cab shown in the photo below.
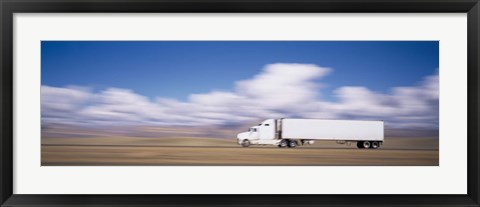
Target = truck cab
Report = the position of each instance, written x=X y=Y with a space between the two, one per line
x=263 y=133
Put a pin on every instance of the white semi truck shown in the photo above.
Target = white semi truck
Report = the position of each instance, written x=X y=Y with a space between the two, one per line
x=294 y=132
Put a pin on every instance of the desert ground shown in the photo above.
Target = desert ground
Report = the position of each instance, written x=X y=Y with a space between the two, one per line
x=140 y=151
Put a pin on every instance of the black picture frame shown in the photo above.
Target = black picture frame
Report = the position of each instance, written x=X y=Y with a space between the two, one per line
x=9 y=7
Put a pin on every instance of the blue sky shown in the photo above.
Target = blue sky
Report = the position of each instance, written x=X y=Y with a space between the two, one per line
x=225 y=82
x=177 y=69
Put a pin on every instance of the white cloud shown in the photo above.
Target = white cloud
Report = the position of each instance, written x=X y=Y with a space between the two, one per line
x=283 y=85
x=404 y=106
x=63 y=99
x=279 y=90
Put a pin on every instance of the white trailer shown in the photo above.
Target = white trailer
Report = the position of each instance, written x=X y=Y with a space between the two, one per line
x=294 y=132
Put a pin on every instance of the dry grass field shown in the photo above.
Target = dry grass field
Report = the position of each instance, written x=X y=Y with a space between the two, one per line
x=136 y=151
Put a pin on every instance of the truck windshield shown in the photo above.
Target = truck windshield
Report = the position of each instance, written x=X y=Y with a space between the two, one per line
x=252 y=130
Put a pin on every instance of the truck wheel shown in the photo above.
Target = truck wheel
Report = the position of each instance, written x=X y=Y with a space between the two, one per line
x=359 y=145
x=375 y=145
x=245 y=143
x=292 y=144
x=283 y=143
x=366 y=144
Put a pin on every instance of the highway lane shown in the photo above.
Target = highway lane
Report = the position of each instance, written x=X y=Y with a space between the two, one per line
x=157 y=155
x=251 y=147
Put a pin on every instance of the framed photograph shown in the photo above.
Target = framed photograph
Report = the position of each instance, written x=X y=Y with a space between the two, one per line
x=239 y=103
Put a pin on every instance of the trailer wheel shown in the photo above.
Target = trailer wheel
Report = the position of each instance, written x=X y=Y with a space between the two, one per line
x=292 y=144
x=375 y=145
x=283 y=143
x=359 y=145
x=366 y=144
x=245 y=143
